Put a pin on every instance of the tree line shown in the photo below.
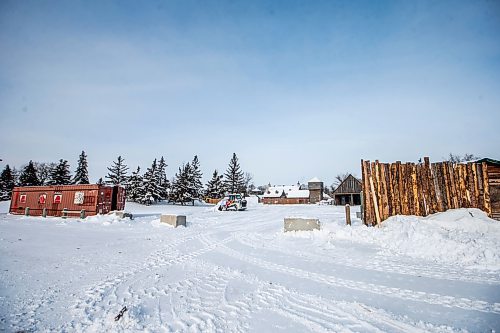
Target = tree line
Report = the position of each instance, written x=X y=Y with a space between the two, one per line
x=145 y=188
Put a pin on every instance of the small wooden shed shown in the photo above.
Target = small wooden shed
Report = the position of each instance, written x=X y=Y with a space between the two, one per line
x=348 y=192
x=93 y=198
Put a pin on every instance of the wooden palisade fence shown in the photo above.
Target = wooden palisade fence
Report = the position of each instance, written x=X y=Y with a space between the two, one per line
x=421 y=189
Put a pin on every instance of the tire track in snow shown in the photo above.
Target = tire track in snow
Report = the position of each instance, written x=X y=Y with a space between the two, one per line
x=381 y=263
x=318 y=314
x=89 y=310
x=310 y=311
x=405 y=294
x=201 y=304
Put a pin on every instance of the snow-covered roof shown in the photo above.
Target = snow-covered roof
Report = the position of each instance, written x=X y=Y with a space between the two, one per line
x=314 y=180
x=298 y=194
x=277 y=191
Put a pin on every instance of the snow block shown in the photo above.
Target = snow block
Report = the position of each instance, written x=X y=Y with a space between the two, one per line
x=173 y=220
x=301 y=224
x=121 y=214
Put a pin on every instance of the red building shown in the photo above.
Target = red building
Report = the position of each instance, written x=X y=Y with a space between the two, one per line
x=93 y=198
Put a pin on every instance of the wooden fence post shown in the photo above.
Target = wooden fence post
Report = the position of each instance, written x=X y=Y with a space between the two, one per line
x=383 y=192
x=476 y=185
x=347 y=214
x=437 y=187
x=368 y=217
x=486 y=190
x=454 y=191
x=378 y=189
x=375 y=204
x=415 y=189
x=470 y=186
x=480 y=185
x=401 y=193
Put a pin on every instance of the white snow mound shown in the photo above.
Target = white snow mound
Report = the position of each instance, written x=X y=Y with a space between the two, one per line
x=465 y=236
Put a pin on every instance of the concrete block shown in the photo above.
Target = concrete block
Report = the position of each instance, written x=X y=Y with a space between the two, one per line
x=173 y=220
x=301 y=224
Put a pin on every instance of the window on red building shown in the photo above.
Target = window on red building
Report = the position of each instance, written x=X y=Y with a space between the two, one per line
x=57 y=198
x=42 y=199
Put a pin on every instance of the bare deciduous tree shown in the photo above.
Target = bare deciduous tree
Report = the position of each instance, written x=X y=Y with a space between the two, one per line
x=455 y=158
x=339 y=179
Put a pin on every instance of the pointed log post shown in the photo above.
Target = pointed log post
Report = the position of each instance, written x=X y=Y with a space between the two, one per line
x=447 y=186
x=479 y=169
x=486 y=190
x=376 y=180
x=384 y=197
x=390 y=191
x=415 y=189
x=454 y=192
x=411 y=198
x=431 y=186
x=437 y=189
x=401 y=188
x=421 y=187
x=363 y=181
x=476 y=186
x=404 y=193
x=470 y=186
x=463 y=186
x=442 y=185
x=368 y=209
x=395 y=188
x=460 y=186
x=375 y=204
x=378 y=190
x=406 y=189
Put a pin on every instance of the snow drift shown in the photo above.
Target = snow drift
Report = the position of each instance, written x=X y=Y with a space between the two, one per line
x=461 y=236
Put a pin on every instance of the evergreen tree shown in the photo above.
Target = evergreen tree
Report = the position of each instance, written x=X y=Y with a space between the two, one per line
x=150 y=189
x=60 y=174
x=195 y=175
x=81 y=173
x=215 y=188
x=28 y=176
x=16 y=173
x=181 y=189
x=161 y=179
x=6 y=183
x=233 y=178
x=134 y=187
x=100 y=181
x=117 y=174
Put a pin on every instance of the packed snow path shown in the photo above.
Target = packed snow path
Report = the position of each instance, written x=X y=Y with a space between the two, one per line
x=238 y=272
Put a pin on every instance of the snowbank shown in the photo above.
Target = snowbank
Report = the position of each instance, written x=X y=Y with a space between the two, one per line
x=4 y=207
x=460 y=236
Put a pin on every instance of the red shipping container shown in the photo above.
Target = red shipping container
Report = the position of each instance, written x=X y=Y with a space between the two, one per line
x=93 y=198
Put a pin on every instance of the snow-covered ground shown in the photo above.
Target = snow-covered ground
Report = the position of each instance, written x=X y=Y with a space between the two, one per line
x=238 y=271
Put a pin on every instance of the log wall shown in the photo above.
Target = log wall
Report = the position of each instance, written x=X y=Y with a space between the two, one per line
x=421 y=189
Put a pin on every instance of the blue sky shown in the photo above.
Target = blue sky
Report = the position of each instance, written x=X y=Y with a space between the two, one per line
x=296 y=88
